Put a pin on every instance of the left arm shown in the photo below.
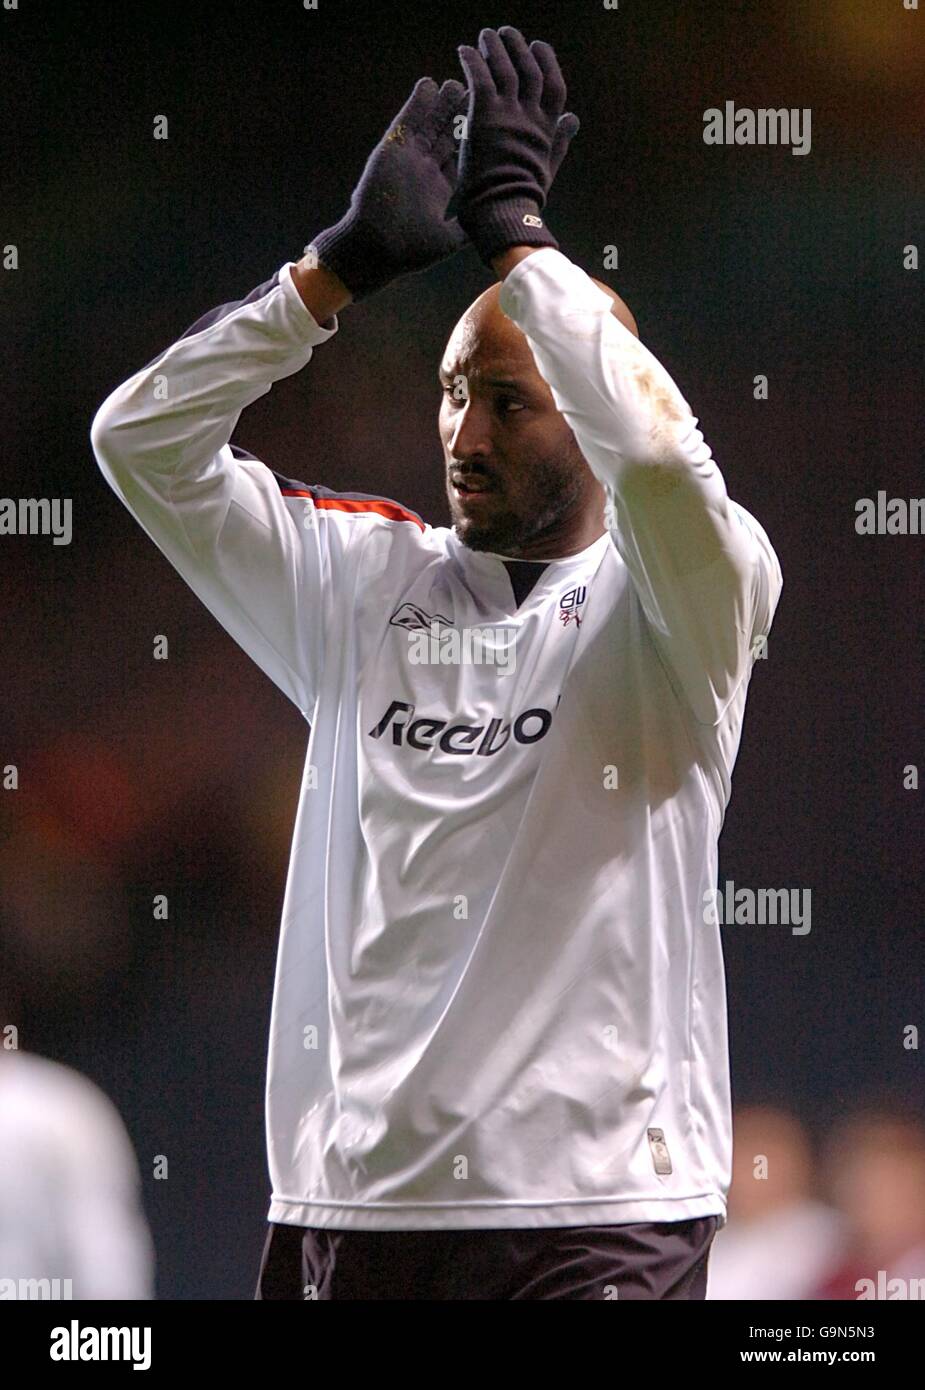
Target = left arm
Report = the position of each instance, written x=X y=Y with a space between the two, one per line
x=704 y=570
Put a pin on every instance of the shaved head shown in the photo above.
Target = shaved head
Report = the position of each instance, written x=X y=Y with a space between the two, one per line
x=488 y=304
x=517 y=483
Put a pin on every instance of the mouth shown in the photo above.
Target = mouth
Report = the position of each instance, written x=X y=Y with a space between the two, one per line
x=472 y=487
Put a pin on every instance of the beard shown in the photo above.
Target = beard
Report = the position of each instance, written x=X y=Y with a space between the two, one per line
x=556 y=490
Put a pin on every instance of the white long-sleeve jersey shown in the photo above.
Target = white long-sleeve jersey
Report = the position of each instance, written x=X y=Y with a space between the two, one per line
x=499 y=998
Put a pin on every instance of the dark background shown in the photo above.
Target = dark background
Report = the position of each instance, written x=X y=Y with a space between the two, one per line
x=141 y=777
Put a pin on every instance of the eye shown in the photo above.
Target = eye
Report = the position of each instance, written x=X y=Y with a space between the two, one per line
x=509 y=403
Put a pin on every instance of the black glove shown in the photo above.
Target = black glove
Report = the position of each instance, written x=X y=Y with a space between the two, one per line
x=517 y=138
x=396 y=222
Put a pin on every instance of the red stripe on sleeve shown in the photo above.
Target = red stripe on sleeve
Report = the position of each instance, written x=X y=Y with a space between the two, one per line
x=391 y=510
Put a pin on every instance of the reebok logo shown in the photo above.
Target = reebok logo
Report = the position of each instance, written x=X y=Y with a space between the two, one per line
x=436 y=641
x=426 y=734
x=416 y=619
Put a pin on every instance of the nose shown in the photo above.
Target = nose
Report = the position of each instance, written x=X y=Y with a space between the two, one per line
x=470 y=432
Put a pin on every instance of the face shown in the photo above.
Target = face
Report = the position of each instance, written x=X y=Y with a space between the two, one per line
x=516 y=480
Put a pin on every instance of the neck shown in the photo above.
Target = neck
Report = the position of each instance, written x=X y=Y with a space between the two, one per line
x=560 y=542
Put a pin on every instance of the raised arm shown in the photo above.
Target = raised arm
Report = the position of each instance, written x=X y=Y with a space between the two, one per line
x=255 y=549
x=162 y=443
x=705 y=572
x=322 y=292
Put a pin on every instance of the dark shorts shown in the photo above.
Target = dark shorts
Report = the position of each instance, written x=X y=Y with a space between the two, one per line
x=644 y=1261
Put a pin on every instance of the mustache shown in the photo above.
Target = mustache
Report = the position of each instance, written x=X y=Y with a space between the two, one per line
x=472 y=470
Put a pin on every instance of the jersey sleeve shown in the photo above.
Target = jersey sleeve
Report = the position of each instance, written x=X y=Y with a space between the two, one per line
x=706 y=575
x=252 y=546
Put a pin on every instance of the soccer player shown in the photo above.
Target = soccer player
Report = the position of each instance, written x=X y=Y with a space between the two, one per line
x=498 y=1060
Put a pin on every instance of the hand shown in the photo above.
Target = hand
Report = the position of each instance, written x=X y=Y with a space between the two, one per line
x=516 y=140
x=396 y=222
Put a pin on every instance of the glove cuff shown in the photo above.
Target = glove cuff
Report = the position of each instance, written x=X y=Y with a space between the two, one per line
x=494 y=226
x=355 y=254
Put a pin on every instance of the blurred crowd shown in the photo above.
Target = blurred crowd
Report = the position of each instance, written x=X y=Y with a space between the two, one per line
x=841 y=1220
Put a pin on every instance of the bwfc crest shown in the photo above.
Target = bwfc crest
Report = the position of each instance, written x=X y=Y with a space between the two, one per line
x=570 y=605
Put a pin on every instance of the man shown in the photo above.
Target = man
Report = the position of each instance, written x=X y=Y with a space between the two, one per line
x=71 y=1219
x=498 y=1061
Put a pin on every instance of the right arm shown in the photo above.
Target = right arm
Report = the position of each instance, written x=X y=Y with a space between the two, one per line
x=162 y=443
x=259 y=552
x=322 y=293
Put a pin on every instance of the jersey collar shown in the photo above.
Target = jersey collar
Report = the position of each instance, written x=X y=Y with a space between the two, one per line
x=487 y=565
